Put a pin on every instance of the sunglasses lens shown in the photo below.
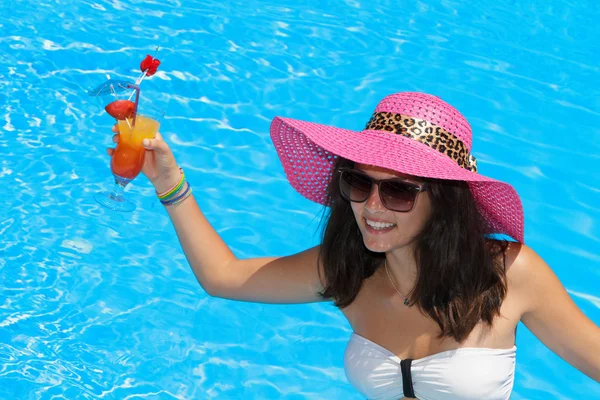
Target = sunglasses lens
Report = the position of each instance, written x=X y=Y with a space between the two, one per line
x=398 y=196
x=355 y=186
x=395 y=195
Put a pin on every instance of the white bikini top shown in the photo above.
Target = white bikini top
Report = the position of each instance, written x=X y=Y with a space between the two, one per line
x=461 y=374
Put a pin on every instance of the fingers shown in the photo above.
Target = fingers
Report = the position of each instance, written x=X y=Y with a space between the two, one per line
x=157 y=144
x=115 y=128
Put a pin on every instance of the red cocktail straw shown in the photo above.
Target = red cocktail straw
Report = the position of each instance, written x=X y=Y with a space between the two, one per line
x=137 y=98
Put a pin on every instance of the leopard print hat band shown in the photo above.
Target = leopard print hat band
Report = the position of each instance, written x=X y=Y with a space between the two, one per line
x=424 y=132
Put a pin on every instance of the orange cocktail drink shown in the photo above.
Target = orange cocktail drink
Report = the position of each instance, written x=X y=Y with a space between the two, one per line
x=128 y=158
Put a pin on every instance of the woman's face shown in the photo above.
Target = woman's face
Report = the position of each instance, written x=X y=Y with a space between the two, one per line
x=405 y=225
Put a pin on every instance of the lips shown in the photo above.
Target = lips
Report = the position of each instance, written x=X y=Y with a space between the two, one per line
x=377 y=225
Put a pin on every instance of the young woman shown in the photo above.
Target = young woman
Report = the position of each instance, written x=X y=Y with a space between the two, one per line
x=411 y=254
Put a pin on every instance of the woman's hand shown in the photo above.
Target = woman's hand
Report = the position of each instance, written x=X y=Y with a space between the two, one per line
x=160 y=166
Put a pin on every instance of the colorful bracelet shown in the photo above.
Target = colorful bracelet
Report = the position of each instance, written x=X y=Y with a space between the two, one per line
x=180 y=196
x=169 y=193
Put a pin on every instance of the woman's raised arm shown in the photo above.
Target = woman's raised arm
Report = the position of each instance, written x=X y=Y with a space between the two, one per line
x=290 y=279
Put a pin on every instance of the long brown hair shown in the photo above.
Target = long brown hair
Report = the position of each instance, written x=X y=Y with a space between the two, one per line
x=461 y=279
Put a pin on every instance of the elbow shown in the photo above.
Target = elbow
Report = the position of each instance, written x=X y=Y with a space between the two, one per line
x=215 y=284
x=210 y=289
x=596 y=374
x=214 y=289
x=596 y=362
x=593 y=365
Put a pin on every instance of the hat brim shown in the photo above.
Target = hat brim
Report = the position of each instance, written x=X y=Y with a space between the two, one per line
x=308 y=150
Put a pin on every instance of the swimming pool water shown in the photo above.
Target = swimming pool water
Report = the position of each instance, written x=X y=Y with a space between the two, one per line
x=95 y=304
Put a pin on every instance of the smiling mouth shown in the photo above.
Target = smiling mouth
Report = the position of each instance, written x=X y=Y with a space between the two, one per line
x=379 y=226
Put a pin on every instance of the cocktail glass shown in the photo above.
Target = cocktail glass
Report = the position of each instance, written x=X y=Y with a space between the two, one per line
x=128 y=158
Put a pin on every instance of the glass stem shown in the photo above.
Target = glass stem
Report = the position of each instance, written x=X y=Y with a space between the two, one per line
x=119 y=189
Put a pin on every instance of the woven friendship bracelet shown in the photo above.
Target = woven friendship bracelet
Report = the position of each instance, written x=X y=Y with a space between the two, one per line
x=175 y=193
x=174 y=189
x=181 y=196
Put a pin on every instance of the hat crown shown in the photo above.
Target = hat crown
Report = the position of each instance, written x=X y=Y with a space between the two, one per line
x=429 y=108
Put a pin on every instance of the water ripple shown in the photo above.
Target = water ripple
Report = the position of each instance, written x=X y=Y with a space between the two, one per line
x=99 y=305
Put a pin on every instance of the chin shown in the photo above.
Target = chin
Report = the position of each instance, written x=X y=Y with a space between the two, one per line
x=377 y=249
x=384 y=243
x=379 y=245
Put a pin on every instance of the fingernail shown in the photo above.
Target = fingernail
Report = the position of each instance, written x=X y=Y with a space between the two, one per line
x=146 y=142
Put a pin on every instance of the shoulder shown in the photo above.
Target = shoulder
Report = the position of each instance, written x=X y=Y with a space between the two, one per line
x=529 y=278
x=518 y=258
x=522 y=263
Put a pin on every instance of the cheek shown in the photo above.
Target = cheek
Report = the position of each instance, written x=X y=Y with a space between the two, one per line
x=416 y=220
x=357 y=209
x=410 y=225
x=413 y=222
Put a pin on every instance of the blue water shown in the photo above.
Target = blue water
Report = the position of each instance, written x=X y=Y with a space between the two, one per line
x=95 y=304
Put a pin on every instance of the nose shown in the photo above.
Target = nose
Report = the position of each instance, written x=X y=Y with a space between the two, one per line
x=373 y=203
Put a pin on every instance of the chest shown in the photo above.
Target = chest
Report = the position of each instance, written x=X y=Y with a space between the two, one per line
x=380 y=315
x=466 y=373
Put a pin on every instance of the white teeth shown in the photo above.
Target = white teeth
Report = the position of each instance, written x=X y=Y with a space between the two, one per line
x=379 y=225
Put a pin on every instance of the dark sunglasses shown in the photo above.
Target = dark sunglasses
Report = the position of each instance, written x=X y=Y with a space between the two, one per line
x=395 y=194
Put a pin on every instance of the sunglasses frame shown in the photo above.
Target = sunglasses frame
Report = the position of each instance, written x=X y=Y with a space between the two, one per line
x=416 y=186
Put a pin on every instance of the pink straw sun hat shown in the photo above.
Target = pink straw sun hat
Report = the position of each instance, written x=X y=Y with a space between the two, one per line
x=413 y=133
